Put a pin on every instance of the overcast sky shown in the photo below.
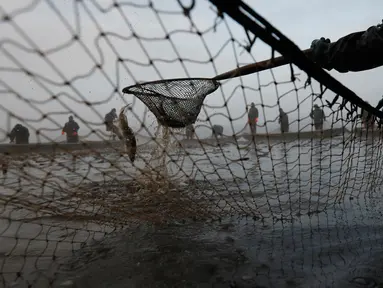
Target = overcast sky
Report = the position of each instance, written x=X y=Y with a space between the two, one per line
x=49 y=26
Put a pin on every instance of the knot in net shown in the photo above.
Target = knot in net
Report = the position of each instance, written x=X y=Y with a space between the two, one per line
x=175 y=103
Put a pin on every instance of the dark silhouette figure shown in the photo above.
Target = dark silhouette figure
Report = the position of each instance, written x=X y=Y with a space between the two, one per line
x=253 y=118
x=108 y=120
x=217 y=130
x=19 y=134
x=284 y=121
x=318 y=116
x=71 y=130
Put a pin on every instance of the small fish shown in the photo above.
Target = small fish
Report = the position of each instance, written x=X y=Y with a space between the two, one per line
x=128 y=134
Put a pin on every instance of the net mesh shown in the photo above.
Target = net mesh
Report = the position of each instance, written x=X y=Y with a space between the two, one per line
x=175 y=103
x=296 y=209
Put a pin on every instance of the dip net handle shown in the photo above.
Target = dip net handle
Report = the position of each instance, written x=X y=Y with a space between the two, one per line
x=256 y=67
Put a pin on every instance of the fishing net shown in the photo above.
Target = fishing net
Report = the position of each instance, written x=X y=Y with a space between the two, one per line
x=297 y=204
x=175 y=103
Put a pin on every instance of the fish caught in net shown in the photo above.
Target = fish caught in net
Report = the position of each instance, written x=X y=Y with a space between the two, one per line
x=268 y=175
x=127 y=134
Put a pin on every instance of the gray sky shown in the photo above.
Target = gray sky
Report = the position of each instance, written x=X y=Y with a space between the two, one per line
x=301 y=21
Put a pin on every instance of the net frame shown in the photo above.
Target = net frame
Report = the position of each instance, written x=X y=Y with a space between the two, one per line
x=175 y=111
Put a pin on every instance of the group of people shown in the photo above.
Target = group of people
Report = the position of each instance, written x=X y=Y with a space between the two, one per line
x=71 y=127
x=20 y=134
x=317 y=115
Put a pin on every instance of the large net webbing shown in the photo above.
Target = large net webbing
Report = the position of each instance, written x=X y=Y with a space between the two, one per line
x=288 y=202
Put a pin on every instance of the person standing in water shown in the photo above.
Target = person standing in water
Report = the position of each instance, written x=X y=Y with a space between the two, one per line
x=71 y=130
x=19 y=134
x=253 y=118
x=318 y=116
x=109 y=119
x=283 y=121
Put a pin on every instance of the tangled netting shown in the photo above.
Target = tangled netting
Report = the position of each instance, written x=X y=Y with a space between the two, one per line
x=301 y=199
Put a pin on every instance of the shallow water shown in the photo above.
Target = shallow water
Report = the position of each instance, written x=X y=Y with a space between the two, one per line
x=317 y=220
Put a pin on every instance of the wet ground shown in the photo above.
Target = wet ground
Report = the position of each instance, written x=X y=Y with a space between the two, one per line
x=313 y=220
